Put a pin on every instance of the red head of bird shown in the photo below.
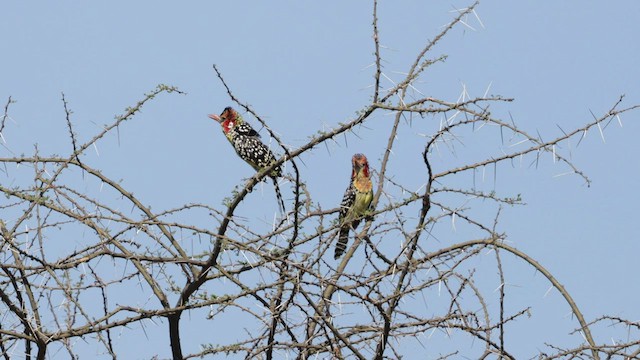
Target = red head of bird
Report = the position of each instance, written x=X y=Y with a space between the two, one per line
x=359 y=162
x=229 y=118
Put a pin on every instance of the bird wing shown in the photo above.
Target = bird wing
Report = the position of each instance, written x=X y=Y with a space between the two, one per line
x=348 y=200
x=247 y=130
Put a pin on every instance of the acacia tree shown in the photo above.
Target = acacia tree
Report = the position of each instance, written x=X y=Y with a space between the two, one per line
x=293 y=299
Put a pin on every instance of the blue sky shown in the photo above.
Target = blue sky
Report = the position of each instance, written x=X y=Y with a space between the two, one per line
x=304 y=66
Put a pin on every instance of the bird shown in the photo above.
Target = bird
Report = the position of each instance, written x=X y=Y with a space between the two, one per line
x=356 y=201
x=247 y=144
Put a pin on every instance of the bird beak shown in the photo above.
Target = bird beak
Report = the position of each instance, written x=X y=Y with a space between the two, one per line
x=214 y=117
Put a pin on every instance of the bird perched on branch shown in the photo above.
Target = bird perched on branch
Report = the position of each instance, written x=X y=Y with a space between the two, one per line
x=246 y=141
x=356 y=201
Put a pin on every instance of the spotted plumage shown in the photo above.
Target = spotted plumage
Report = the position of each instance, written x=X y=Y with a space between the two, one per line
x=247 y=144
x=246 y=141
x=356 y=201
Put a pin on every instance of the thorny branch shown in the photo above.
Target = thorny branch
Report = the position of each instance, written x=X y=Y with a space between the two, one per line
x=398 y=289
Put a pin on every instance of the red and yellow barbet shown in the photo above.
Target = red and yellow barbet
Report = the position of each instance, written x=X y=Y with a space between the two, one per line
x=356 y=201
x=246 y=141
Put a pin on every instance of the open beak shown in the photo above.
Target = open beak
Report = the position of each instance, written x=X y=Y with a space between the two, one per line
x=214 y=117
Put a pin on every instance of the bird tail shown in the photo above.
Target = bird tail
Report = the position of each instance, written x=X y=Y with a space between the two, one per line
x=343 y=238
x=279 y=195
